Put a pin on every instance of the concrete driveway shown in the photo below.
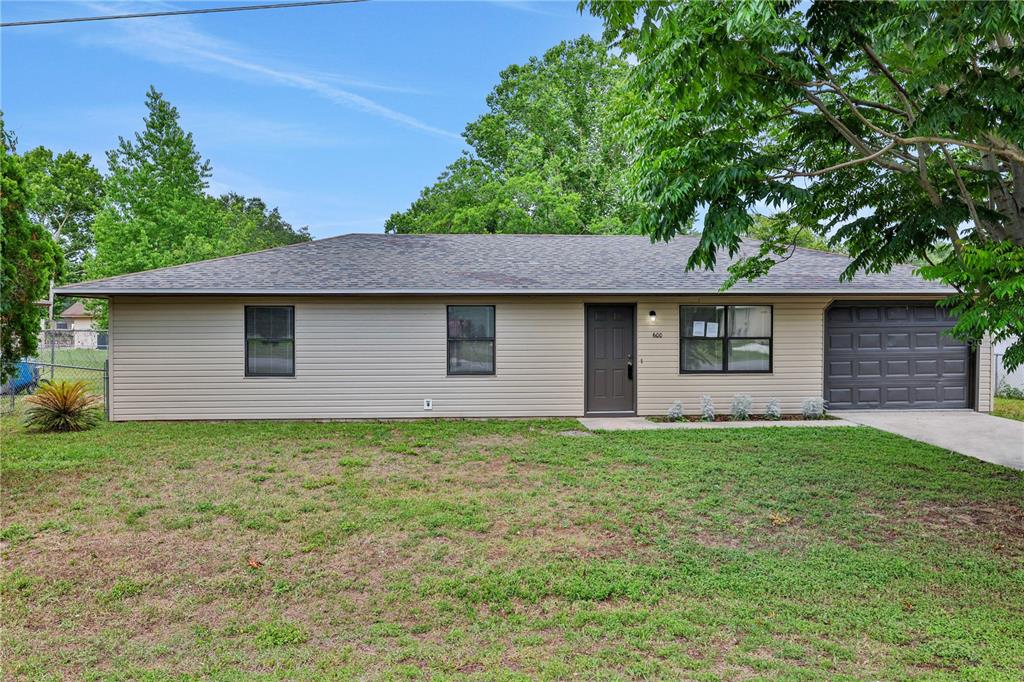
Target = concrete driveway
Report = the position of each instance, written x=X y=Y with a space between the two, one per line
x=992 y=439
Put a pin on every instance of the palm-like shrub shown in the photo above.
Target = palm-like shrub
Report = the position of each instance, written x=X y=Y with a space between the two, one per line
x=62 y=406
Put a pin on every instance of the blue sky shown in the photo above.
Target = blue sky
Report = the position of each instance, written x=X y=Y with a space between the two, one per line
x=339 y=115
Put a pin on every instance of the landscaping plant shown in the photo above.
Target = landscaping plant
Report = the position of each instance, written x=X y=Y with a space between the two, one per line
x=707 y=409
x=772 y=410
x=675 y=412
x=813 y=408
x=1005 y=390
x=62 y=406
x=741 y=407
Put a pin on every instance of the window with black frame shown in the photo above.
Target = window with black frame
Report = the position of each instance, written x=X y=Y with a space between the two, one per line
x=725 y=338
x=269 y=341
x=471 y=339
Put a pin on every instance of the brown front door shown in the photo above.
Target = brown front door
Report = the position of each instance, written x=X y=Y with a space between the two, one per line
x=610 y=362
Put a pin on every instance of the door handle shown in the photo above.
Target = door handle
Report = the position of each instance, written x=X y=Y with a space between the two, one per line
x=629 y=370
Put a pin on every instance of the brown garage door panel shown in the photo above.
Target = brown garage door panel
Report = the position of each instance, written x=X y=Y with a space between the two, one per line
x=894 y=356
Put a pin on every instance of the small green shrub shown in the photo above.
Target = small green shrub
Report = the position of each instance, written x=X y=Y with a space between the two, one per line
x=62 y=406
x=675 y=413
x=1005 y=390
x=772 y=410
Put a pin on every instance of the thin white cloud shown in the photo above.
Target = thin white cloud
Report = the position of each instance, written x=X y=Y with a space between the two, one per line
x=523 y=6
x=361 y=84
x=176 y=41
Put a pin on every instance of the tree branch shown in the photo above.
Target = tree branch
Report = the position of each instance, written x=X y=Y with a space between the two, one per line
x=900 y=91
x=807 y=174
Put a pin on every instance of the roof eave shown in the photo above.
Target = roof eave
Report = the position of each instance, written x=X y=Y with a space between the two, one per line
x=106 y=293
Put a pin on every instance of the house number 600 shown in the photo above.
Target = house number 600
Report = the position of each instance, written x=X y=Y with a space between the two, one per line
x=656 y=335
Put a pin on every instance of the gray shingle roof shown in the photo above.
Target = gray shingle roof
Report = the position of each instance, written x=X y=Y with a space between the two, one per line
x=493 y=264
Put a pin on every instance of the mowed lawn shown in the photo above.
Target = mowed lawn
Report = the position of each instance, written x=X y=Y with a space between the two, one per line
x=1010 y=408
x=505 y=550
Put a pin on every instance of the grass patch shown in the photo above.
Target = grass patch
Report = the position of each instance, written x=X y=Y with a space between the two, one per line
x=505 y=550
x=278 y=633
x=1010 y=408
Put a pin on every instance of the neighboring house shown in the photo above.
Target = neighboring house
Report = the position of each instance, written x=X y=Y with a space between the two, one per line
x=75 y=317
x=521 y=325
x=1014 y=378
x=75 y=329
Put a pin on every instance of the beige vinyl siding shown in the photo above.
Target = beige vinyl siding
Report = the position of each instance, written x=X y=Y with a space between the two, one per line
x=183 y=358
x=797 y=349
x=986 y=379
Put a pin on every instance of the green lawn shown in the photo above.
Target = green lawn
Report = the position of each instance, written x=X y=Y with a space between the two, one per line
x=505 y=550
x=1011 y=408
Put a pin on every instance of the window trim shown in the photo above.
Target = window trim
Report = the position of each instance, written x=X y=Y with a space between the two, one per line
x=725 y=338
x=245 y=341
x=448 y=339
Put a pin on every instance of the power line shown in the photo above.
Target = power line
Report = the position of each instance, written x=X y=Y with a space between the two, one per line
x=174 y=13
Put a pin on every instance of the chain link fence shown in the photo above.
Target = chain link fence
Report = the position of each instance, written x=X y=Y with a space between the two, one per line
x=63 y=355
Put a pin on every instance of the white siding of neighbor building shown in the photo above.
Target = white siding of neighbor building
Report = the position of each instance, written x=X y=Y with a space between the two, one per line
x=183 y=358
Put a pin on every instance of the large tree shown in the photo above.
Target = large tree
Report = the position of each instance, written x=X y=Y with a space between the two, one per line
x=156 y=211
x=544 y=157
x=895 y=127
x=155 y=208
x=64 y=195
x=65 y=191
x=29 y=258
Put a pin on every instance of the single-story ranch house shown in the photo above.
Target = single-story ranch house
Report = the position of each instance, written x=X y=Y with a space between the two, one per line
x=521 y=325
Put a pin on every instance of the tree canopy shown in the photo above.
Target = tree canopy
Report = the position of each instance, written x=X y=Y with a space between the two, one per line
x=253 y=226
x=29 y=258
x=156 y=211
x=894 y=127
x=544 y=156
x=155 y=208
x=64 y=194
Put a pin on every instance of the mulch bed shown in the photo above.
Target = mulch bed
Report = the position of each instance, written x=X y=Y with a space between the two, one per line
x=727 y=418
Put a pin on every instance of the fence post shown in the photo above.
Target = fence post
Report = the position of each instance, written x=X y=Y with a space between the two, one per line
x=53 y=352
x=106 y=387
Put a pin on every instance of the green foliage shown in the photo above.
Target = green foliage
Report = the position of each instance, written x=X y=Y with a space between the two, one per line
x=1005 y=390
x=122 y=589
x=29 y=257
x=545 y=158
x=65 y=192
x=278 y=633
x=156 y=212
x=776 y=227
x=252 y=226
x=893 y=127
x=990 y=281
x=62 y=406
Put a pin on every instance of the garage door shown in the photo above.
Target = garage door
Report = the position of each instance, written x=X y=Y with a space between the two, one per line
x=893 y=356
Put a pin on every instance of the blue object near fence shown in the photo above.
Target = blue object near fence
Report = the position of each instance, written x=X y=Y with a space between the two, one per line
x=26 y=377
